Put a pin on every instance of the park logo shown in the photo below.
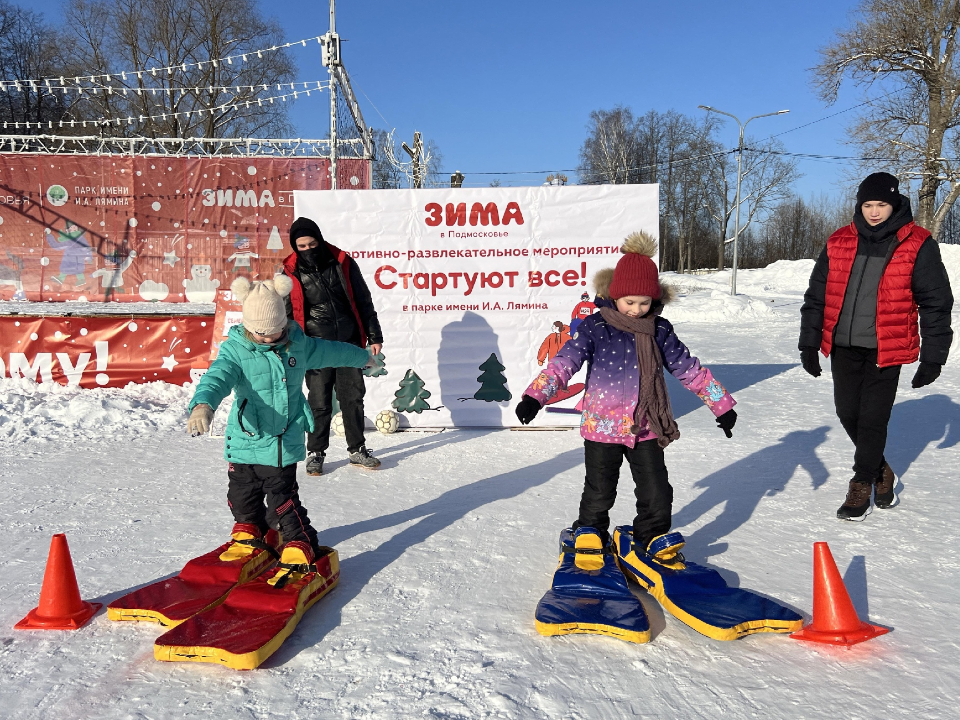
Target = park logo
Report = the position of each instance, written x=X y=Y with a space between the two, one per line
x=57 y=195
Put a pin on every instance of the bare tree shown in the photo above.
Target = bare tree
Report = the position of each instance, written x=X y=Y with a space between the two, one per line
x=795 y=229
x=30 y=50
x=908 y=47
x=766 y=179
x=200 y=95
x=611 y=153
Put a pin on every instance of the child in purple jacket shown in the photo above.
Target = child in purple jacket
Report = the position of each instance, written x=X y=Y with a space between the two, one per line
x=626 y=411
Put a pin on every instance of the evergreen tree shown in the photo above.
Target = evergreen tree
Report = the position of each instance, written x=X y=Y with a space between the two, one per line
x=493 y=383
x=379 y=368
x=412 y=395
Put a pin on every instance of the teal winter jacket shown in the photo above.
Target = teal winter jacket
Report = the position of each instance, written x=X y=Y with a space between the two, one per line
x=270 y=414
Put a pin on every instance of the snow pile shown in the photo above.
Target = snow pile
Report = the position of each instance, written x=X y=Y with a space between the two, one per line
x=85 y=308
x=717 y=306
x=53 y=411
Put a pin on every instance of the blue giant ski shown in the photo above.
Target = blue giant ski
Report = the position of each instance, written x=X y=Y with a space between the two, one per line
x=590 y=593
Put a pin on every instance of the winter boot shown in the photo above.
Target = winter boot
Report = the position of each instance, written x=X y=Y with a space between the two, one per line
x=883 y=495
x=295 y=562
x=248 y=538
x=665 y=549
x=363 y=459
x=857 y=505
x=315 y=464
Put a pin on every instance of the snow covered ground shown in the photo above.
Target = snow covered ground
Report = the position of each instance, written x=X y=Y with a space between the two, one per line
x=447 y=549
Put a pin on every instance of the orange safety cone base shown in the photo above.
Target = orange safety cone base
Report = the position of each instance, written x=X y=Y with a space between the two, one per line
x=60 y=605
x=866 y=631
x=33 y=621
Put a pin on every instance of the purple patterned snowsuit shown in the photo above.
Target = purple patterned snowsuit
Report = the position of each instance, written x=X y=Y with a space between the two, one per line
x=607 y=423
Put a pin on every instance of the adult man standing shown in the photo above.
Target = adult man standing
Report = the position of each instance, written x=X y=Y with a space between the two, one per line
x=330 y=300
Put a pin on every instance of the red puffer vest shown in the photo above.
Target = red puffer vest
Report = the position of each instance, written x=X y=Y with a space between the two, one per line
x=898 y=333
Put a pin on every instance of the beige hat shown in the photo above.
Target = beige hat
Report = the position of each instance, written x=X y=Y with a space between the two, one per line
x=264 y=312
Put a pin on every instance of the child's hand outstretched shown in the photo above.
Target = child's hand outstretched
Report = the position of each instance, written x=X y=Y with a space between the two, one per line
x=527 y=410
x=726 y=422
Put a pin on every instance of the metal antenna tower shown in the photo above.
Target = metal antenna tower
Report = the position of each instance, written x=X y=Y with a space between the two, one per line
x=339 y=79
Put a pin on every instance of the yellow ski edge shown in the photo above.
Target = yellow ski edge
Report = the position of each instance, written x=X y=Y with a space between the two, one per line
x=554 y=629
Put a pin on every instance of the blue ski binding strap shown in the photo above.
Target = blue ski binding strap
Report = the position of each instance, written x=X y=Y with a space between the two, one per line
x=698 y=595
x=590 y=593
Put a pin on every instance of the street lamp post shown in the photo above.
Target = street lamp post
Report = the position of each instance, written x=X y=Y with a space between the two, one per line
x=736 y=235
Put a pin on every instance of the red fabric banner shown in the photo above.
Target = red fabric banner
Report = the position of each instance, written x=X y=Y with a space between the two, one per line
x=105 y=351
x=133 y=228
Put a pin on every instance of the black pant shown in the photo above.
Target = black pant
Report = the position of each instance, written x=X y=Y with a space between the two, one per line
x=652 y=488
x=250 y=485
x=864 y=395
x=350 y=392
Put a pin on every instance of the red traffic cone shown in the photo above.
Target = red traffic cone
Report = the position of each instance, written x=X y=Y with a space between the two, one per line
x=835 y=621
x=60 y=605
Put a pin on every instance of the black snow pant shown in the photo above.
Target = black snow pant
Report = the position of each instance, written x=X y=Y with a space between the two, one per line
x=863 y=395
x=350 y=392
x=251 y=485
x=652 y=488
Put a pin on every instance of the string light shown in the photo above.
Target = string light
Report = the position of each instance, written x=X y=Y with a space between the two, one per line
x=163 y=116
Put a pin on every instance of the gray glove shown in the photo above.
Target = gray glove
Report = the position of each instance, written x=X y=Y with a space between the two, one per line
x=200 y=419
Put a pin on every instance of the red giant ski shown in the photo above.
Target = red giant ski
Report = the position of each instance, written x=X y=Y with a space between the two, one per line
x=256 y=617
x=203 y=583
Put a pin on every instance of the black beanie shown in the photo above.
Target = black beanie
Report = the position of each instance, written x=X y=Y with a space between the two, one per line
x=879 y=186
x=304 y=227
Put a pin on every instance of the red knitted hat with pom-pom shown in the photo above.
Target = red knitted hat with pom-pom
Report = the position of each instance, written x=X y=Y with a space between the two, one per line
x=636 y=273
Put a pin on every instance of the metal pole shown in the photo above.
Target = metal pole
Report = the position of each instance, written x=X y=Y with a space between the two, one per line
x=736 y=236
x=736 y=233
x=333 y=99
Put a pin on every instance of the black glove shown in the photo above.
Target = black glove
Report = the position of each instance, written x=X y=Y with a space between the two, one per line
x=726 y=422
x=926 y=374
x=527 y=410
x=811 y=361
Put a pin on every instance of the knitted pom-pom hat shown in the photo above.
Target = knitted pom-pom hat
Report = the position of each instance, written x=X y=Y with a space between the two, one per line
x=636 y=273
x=264 y=312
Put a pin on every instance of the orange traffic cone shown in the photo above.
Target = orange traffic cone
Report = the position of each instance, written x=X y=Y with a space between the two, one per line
x=835 y=620
x=60 y=605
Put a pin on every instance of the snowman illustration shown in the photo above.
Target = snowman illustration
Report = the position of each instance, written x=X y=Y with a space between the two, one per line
x=201 y=288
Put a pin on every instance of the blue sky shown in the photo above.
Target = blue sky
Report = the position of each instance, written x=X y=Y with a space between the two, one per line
x=507 y=87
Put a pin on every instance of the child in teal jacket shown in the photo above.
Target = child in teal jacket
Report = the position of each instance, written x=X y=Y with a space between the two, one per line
x=263 y=361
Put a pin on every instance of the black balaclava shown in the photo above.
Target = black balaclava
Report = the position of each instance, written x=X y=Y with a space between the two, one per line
x=315 y=257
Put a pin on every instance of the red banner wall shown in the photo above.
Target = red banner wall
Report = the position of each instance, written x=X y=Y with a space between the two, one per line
x=104 y=351
x=134 y=228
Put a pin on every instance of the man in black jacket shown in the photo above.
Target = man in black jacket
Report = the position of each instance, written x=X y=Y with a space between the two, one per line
x=330 y=300
x=861 y=309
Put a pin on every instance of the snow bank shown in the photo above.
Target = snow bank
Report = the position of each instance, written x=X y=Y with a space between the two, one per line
x=717 y=306
x=52 y=411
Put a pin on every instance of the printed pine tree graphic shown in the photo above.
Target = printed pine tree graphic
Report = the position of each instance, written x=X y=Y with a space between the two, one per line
x=412 y=395
x=379 y=368
x=493 y=383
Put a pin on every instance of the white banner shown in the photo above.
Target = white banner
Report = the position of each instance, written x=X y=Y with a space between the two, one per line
x=476 y=289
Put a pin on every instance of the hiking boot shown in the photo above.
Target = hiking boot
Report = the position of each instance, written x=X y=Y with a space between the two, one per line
x=363 y=459
x=315 y=464
x=857 y=505
x=883 y=495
